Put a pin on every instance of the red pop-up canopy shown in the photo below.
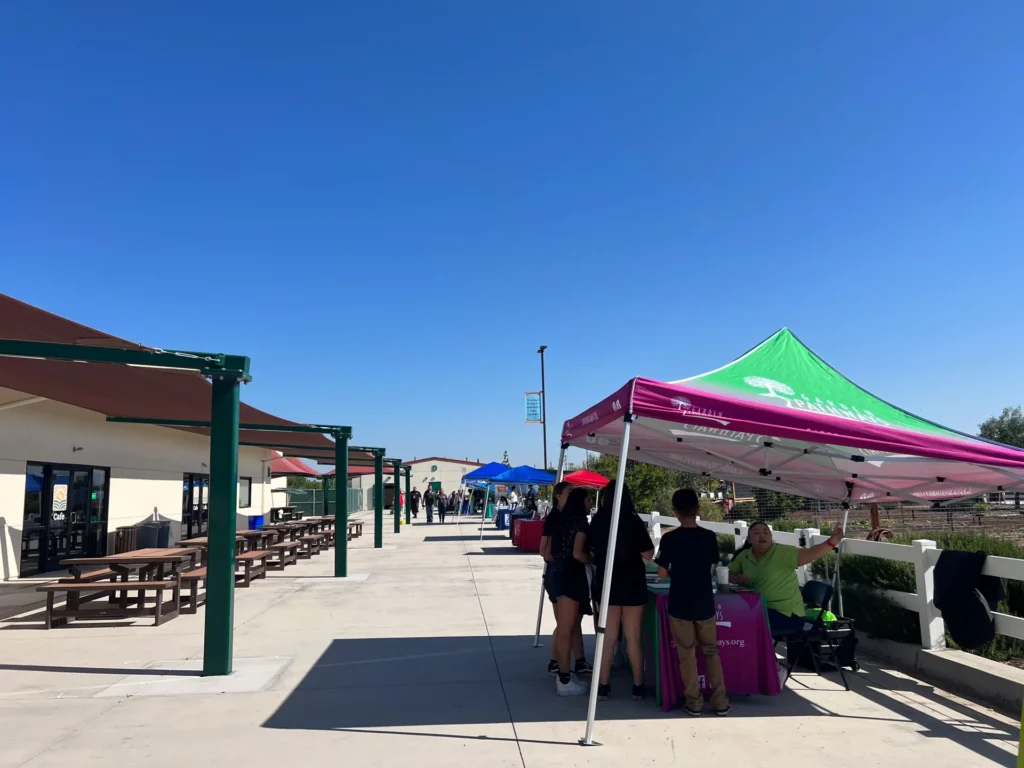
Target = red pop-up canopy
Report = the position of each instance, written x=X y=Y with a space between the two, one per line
x=584 y=478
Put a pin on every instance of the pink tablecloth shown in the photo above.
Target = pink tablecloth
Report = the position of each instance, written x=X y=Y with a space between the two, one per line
x=744 y=644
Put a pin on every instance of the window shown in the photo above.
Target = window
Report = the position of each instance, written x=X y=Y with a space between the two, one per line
x=244 y=492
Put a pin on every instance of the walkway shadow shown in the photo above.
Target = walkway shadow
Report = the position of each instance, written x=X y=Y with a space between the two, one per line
x=509 y=550
x=391 y=684
x=464 y=538
x=102 y=670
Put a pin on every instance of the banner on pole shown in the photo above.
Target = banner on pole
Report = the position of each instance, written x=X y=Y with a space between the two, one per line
x=534 y=412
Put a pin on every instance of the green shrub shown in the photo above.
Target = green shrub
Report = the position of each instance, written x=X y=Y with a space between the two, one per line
x=787 y=525
x=876 y=614
x=726 y=546
x=862 y=577
x=710 y=511
x=745 y=510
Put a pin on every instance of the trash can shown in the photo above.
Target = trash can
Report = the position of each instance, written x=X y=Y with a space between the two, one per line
x=504 y=516
x=154 y=535
x=490 y=511
x=255 y=521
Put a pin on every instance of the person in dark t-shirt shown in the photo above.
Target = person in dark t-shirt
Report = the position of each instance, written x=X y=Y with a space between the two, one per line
x=628 y=594
x=565 y=580
x=687 y=555
x=414 y=502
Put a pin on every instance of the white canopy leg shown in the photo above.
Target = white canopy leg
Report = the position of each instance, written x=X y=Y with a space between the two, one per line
x=606 y=587
x=483 y=515
x=540 y=603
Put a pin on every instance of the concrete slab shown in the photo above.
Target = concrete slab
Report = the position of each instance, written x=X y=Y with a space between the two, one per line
x=428 y=663
x=332 y=580
x=185 y=679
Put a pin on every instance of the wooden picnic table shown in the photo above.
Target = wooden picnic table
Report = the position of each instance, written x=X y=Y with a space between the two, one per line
x=114 y=578
x=147 y=561
x=291 y=530
x=202 y=543
x=258 y=538
x=278 y=514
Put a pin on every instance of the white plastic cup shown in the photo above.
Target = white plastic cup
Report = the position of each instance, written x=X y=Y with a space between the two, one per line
x=723 y=577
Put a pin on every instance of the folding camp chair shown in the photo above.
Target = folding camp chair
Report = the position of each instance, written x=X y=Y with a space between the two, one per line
x=815 y=639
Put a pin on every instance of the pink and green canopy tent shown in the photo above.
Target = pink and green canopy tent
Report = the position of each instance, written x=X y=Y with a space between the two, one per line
x=780 y=417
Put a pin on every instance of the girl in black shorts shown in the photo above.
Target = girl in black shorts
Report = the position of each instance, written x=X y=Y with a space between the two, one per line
x=629 y=584
x=566 y=583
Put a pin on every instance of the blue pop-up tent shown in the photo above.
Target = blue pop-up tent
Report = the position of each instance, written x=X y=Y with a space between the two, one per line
x=487 y=472
x=525 y=475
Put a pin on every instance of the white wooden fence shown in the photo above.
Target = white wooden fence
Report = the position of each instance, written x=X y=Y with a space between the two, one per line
x=922 y=554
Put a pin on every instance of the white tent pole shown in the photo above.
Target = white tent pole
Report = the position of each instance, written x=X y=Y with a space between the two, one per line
x=540 y=602
x=483 y=516
x=606 y=587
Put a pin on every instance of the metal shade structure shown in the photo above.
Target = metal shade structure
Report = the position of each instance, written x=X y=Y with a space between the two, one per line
x=56 y=359
x=779 y=417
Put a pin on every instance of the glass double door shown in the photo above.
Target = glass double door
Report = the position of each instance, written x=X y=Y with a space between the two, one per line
x=195 y=506
x=65 y=515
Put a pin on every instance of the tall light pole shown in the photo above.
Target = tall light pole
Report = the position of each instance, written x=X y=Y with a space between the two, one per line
x=543 y=405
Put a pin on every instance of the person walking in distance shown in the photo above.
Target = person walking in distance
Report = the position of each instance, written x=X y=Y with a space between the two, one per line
x=428 y=499
x=414 y=502
x=442 y=504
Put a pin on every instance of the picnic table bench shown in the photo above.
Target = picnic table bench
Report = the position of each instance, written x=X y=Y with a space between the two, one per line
x=312 y=544
x=56 y=617
x=113 y=580
x=254 y=565
x=287 y=552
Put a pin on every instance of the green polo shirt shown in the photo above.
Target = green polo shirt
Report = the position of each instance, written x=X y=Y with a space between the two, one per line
x=773 y=577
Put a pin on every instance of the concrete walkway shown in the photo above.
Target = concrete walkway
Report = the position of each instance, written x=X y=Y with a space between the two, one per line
x=427 y=661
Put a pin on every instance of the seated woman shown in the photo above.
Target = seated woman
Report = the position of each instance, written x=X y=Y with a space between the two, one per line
x=770 y=570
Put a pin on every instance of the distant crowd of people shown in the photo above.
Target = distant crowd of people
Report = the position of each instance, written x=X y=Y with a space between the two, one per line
x=451 y=504
x=443 y=503
x=575 y=549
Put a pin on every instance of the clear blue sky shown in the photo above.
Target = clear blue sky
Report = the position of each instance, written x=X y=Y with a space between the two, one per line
x=390 y=205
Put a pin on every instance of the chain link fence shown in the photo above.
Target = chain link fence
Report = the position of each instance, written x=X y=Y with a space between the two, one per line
x=310 y=501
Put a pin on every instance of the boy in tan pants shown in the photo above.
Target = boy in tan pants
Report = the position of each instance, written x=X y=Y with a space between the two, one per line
x=688 y=554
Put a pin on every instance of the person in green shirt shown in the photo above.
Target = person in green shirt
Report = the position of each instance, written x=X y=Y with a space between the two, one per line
x=770 y=570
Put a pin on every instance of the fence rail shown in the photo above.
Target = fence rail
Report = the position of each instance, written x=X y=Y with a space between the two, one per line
x=922 y=554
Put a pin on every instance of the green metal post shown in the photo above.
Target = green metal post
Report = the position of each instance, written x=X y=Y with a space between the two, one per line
x=220 y=567
x=324 y=481
x=341 y=505
x=378 y=500
x=397 y=497
x=408 y=499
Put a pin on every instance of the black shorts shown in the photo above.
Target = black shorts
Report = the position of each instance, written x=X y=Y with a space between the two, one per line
x=625 y=592
x=568 y=580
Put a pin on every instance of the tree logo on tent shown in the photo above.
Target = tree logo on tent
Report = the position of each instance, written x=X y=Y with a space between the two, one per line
x=785 y=393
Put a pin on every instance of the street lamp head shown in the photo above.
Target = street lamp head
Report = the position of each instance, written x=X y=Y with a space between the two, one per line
x=542 y=348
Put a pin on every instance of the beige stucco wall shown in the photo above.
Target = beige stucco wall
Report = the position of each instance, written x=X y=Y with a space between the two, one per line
x=146 y=466
x=448 y=473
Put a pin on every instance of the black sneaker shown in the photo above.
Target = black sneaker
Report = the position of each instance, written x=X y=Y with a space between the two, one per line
x=604 y=691
x=723 y=712
x=552 y=667
x=692 y=712
x=583 y=668
x=639 y=692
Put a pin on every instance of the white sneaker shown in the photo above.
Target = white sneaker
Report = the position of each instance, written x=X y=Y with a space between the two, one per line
x=575 y=687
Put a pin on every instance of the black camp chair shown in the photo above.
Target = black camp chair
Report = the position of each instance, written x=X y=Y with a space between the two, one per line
x=814 y=640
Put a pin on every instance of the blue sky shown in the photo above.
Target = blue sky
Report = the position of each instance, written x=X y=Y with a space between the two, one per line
x=390 y=205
